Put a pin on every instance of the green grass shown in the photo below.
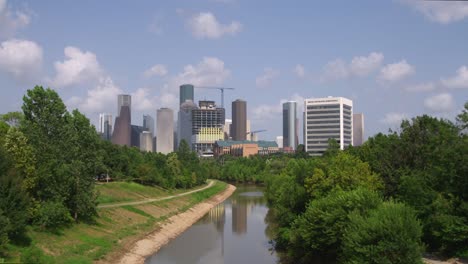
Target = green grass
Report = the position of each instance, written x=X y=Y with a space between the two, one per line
x=116 y=192
x=87 y=243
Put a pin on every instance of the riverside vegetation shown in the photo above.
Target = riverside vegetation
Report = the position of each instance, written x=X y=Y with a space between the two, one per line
x=398 y=195
x=49 y=158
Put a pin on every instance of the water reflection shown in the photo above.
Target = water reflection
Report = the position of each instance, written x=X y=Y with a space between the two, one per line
x=232 y=232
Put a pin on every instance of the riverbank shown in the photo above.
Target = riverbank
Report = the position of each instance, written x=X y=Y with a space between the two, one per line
x=173 y=227
x=132 y=212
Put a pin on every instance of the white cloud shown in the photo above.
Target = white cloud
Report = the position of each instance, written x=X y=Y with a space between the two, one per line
x=393 y=119
x=265 y=79
x=205 y=25
x=441 y=103
x=336 y=69
x=421 y=87
x=363 y=66
x=299 y=71
x=78 y=67
x=210 y=71
x=396 y=71
x=268 y=112
x=21 y=58
x=11 y=21
x=460 y=80
x=156 y=70
x=443 y=12
x=99 y=99
x=359 y=66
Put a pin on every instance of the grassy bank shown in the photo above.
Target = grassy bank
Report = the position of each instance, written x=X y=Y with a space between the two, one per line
x=114 y=229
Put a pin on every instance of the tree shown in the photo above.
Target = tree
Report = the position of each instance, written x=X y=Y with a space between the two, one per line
x=319 y=231
x=16 y=144
x=389 y=234
x=12 y=118
x=462 y=119
x=341 y=172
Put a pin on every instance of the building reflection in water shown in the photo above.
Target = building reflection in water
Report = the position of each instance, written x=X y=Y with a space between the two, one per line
x=239 y=217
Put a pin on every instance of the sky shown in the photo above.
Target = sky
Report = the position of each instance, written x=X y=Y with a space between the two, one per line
x=395 y=59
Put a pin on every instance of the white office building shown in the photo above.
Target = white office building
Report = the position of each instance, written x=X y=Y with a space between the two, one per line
x=326 y=118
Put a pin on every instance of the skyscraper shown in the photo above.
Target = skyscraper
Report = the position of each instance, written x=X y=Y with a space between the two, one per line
x=290 y=133
x=186 y=93
x=148 y=124
x=122 y=130
x=239 y=120
x=165 y=130
x=124 y=100
x=105 y=126
x=327 y=118
x=207 y=126
x=358 y=129
x=184 y=128
x=146 y=141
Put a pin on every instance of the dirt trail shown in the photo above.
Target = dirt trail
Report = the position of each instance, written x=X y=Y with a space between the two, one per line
x=156 y=199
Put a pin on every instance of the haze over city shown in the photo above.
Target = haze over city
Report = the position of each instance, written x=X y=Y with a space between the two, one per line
x=394 y=62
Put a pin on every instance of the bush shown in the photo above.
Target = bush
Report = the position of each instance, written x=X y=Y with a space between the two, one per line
x=4 y=223
x=53 y=215
x=390 y=234
x=320 y=229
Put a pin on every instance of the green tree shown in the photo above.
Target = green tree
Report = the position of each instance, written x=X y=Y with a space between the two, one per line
x=319 y=231
x=389 y=234
x=462 y=119
x=12 y=118
x=341 y=172
x=16 y=144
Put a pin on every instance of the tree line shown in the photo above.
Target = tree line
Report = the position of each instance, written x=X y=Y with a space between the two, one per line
x=398 y=195
x=50 y=157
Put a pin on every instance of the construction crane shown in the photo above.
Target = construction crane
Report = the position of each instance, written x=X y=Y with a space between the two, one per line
x=255 y=132
x=219 y=88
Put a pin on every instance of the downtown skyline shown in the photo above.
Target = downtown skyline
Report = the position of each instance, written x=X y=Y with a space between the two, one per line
x=394 y=59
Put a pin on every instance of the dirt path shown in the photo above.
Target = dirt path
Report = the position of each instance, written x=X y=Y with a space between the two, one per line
x=173 y=227
x=156 y=199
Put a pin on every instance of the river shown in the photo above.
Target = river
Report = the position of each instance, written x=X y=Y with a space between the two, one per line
x=232 y=232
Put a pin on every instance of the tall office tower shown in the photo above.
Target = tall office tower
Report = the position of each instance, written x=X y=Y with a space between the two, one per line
x=207 y=126
x=105 y=126
x=148 y=124
x=146 y=141
x=124 y=100
x=165 y=130
x=290 y=132
x=122 y=129
x=186 y=93
x=135 y=135
x=279 y=141
x=227 y=128
x=247 y=128
x=184 y=128
x=327 y=118
x=239 y=120
x=358 y=129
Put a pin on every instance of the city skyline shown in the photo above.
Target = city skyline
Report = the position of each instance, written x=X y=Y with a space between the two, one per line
x=393 y=64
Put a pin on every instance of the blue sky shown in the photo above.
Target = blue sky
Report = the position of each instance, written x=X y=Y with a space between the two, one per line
x=394 y=59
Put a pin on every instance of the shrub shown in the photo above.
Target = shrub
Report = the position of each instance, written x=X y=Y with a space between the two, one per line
x=390 y=234
x=319 y=230
x=53 y=215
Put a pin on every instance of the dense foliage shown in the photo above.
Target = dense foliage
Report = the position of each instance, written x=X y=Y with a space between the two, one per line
x=50 y=158
x=377 y=203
